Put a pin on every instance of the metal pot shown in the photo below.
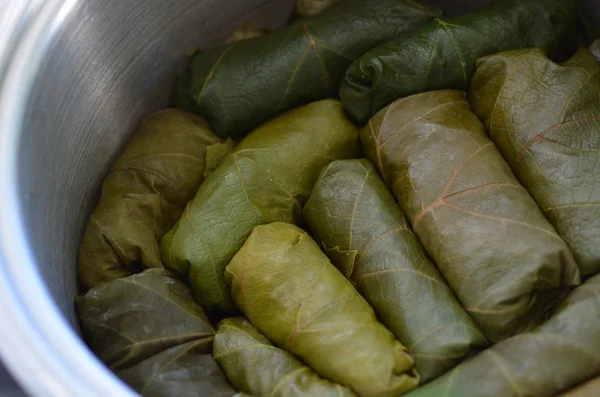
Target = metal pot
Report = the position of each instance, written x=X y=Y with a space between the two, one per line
x=75 y=78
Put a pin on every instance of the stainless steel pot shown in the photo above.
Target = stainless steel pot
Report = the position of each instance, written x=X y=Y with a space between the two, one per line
x=75 y=78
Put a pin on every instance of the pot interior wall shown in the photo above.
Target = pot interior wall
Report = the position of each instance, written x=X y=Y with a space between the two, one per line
x=112 y=63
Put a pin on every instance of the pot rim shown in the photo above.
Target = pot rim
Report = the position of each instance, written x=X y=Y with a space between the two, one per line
x=37 y=344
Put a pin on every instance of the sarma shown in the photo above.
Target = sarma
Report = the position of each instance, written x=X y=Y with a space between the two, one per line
x=294 y=296
x=493 y=245
x=561 y=353
x=358 y=223
x=255 y=366
x=186 y=370
x=267 y=178
x=145 y=192
x=443 y=53
x=545 y=120
x=240 y=86
x=151 y=333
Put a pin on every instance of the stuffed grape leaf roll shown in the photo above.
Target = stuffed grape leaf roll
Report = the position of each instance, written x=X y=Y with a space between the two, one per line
x=267 y=178
x=150 y=332
x=242 y=85
x=561 y=353
x=491 y=242
x=255 y=366
x=144 y=193
x=545 y=120
x=355 y=218
x=442 y=54
x=292 y=294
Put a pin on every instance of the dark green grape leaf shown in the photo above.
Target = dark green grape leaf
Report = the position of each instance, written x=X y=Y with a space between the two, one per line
x=356 y=219
x=148 y=329
x=545 y=120
x=443 y=53
x=492 y=243
x=240 y=86
x=145 y=192
x=268 y=178
x=255 y=366
x=182 y=371
x=558 y=355
x=292 y=294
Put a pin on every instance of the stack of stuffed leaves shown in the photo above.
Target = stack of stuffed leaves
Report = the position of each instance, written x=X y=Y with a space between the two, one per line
x=443 y=53
x=267 y=178
x=545 y=120
x=254 y=365
x=556 y=356
x=151 y=333
x=244 y=84
x=293 y=295
x=356 y=219
x=145 y=192
x=492 y=243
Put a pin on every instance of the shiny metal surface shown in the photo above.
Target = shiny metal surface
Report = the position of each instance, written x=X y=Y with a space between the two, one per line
x=75 y=78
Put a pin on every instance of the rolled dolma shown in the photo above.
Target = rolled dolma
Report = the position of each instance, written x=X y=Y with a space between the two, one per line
x=492 y=243
x=144 y=193
x=357 y=221
x=267 y=178
x=442 y=54
x=545 y=120
x=150 y=332
x=294 y=296
x=240 y=86
x=560 y=354
x=253 y=365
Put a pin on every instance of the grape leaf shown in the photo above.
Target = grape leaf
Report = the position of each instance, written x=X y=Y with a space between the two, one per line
x=257 y=367
x=150 y=332
x=267 y=178
x=559 y=354
x=240 y=86
x=294 y=296
x=442 y=54
x=144 y=193
x=492 y=243
x=356 y=219
x=545 y=120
